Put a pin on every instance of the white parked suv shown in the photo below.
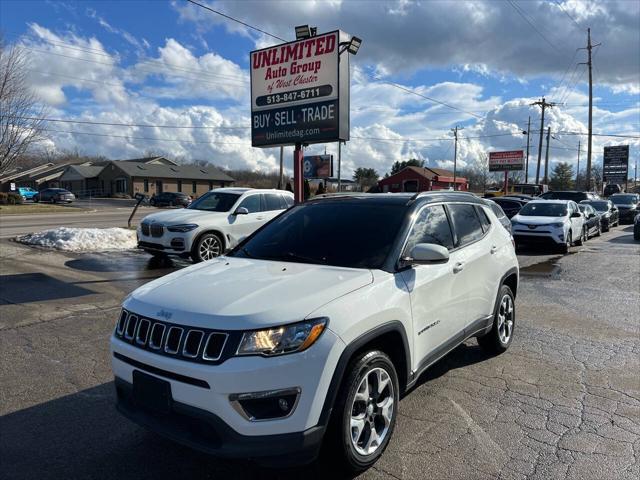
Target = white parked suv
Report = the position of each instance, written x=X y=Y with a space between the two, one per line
x=558 y=222
x=212 y=224
x=312 y=327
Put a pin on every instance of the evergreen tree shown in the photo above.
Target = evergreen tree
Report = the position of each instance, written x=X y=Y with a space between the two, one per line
x=562 y=176
x=399 y=166
x=307 y=189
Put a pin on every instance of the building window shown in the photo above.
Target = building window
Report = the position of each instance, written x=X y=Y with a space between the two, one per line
x=121 y=185
x=193 y=187
x=179 y=185
x=146 y=185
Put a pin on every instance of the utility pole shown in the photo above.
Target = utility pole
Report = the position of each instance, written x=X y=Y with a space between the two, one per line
x=543 y=104
x=455 y=155
x=526 y=167
x=589 y=48
x=578 y=169
x=546 y=159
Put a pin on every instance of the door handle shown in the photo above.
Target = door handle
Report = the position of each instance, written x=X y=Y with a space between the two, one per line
x=493 y=250
x=458 y=267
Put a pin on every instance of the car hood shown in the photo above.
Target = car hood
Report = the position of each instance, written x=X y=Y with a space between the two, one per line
x=236 y=293
x=182 y=215
x=537 y=220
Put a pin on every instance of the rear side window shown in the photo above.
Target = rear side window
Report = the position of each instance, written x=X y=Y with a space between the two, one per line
x=432 y=226
x=497 y=210
x=288 y=200
x=465 y=223
x=484 y=220
x=251 y=203
x=272 y=201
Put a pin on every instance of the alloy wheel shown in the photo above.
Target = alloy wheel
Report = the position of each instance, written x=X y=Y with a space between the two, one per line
x=372 y=411
x=209 y=248
x=505 y=319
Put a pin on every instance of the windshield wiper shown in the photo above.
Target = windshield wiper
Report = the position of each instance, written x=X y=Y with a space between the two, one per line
x=302 y=258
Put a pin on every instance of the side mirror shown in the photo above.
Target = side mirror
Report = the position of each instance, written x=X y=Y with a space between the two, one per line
x=428 y=254
x=576 y=215
x=241 y=211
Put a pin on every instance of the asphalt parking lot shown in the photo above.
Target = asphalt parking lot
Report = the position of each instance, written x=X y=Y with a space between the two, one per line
x=562 y=403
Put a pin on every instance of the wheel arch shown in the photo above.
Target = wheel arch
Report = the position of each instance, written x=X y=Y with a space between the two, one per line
x=214 y=231
x=390 y=338
x=510 y=279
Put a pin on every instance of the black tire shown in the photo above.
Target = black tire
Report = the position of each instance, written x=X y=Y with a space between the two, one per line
x=584 y=235
x=599 y=230
x=339 y=436
x=198 y=249
x=494 y=341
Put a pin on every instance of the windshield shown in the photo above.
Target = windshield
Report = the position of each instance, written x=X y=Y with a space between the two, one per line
x=600 y=206
x=533 y=209
x=624 y=199
x=215 y=202
x=575 y=196
x=340 y=233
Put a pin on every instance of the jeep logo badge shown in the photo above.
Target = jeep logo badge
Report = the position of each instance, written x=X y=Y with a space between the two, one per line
x=164 y=314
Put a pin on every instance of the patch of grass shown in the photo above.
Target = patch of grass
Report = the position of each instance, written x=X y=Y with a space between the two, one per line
x=28 y=208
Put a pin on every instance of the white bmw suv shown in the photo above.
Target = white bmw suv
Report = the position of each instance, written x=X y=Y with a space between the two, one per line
x=558 y=222
x=212 y=224
x=312 y=327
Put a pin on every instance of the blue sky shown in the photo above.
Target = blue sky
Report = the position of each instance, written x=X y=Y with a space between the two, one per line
x=173 y=63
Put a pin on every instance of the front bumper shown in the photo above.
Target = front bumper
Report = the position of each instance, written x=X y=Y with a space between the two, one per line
x=540 y=234
x=173 y=243
x=204 y=431
x=200 y=393
x=627 y=216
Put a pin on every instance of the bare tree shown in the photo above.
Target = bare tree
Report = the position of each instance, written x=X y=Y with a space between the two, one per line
x=21 y=123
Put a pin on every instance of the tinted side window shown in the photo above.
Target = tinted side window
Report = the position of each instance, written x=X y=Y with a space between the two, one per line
x=272 y=201
x=465 y=223
x=432 y=226
x=497 y=210
x=251 y=203
x=484 y=220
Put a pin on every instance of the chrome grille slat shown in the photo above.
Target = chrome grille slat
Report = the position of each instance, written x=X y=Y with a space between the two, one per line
x=156 y=230
x=167 y=347
x=130 y=329
x=187 y=337
x=160 y=327
x=145 y=228
x=122 y=322
x=214 y=336
x=143 y=322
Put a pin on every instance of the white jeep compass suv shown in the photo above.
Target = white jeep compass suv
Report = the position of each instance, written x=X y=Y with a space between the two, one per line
x=312 y=327
x=212 y=224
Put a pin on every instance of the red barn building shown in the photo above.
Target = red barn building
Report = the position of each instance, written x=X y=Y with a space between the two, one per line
x=422 y=179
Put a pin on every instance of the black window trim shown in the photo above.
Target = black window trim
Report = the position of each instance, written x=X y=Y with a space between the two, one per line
x=453 y=228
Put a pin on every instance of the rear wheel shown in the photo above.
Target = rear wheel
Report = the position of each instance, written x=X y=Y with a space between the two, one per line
x=366 y=410
x=504 y=318
x=208 y=247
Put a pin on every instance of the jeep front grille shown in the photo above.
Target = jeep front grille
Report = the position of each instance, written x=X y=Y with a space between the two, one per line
x=179 y=341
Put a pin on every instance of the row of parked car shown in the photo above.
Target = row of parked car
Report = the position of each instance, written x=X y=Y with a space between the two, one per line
x=566 y=218
x=50 y=195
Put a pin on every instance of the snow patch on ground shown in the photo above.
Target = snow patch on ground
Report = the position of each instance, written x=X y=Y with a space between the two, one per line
x=82 y=239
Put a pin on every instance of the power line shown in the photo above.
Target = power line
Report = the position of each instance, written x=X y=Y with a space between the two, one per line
x=521 y=12
x=73 y=132
x=138 y=125
x=567 y=13
x=236 y=20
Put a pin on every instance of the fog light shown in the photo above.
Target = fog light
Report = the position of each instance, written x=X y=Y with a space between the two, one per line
x=267 y=405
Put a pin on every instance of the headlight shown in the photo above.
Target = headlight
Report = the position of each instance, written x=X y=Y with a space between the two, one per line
x=557 y=225
x=291 y=338
x=607 y=215
x=187 y=227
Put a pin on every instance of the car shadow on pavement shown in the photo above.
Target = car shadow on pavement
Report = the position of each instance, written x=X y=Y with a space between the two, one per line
x=462 y=356
x=37 y=287
x=82 y=436
x=122 y=262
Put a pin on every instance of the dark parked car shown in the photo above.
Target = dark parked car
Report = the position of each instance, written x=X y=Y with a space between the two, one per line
x=608 y=213
x=611 y=189
x=636 y=228
x=54 y=195
x=627 y=204
x=592 y=224
x=170 y=199
x=574 y=195
x=502 y=217
x=510 y=205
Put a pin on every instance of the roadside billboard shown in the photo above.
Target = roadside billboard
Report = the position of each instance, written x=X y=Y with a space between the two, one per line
x=506 y=161
x=615 y=164
x=300 y=92
x=317 y=166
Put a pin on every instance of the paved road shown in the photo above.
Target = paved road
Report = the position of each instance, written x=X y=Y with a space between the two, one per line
x=562 y=403
x=103 y=216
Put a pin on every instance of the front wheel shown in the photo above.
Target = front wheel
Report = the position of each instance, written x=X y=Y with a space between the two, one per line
x=567 y=244
x=366 y=411
x=504 y=319
x=208 y=247
x=599 y=230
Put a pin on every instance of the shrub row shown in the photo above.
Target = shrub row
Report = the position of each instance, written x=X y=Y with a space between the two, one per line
x=10 y=198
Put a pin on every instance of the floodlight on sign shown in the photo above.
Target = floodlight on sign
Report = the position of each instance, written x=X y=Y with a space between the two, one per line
x=354 y=45
x=302 y=32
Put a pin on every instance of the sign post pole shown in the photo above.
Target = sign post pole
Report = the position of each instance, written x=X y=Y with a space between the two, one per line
x=339 y=167
x=298 y=182
x=506 y=182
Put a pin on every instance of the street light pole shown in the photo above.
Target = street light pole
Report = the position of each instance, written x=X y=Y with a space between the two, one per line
x=526 y=168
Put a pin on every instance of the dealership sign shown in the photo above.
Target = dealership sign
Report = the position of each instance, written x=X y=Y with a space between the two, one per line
x=615 y=164
x=506 y=161
x=300 y=92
